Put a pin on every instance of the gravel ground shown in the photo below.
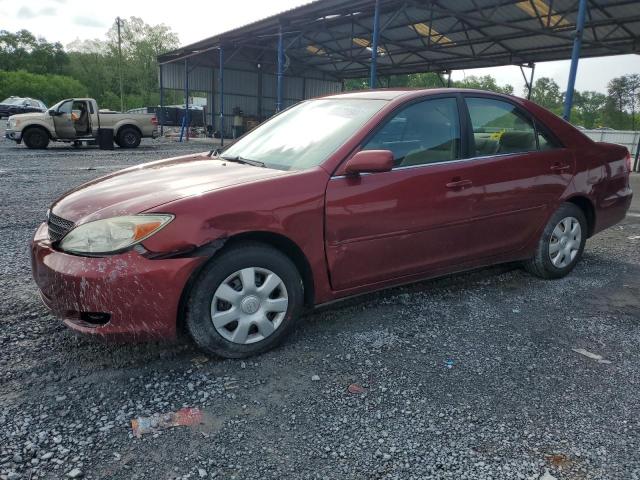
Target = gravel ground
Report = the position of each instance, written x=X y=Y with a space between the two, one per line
x=467 y=377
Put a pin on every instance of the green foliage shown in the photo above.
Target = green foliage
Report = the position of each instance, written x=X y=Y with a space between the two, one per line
x=23 y=51
x=624 y=101
x=546 y=93
x=48 y=88
x=486 y=82
x=588 y=109
x=90 y=63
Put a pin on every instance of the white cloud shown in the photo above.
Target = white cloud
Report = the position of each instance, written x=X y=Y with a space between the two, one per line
x=90 y=22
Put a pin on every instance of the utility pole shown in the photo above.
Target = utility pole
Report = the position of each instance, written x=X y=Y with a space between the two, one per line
x=119 y=22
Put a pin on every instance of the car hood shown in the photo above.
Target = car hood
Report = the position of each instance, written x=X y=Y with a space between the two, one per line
x=140 y=188
x=20 y=116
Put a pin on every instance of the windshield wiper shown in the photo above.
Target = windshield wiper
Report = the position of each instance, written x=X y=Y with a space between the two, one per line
x=239 y=159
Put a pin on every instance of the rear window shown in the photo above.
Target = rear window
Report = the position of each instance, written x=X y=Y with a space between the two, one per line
x=12 y=101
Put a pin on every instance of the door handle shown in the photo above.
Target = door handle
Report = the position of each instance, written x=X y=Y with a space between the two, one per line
x=560 y=167
x=459 y=184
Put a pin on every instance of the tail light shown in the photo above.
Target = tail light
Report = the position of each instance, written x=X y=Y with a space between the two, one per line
x=154 y=120
x=628 y=161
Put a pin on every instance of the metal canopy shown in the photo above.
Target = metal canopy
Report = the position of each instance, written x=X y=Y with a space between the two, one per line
x=335 y=38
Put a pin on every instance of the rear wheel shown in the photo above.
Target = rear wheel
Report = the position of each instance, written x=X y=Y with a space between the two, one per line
x=36 y=138
x=128 y=137
x=561 y=244
x=245 y=301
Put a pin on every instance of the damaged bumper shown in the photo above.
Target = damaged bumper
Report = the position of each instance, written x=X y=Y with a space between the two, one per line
x=120 y=297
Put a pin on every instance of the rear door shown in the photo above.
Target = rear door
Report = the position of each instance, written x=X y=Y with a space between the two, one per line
x=63 y=121
x=383 y=226
x=520 y=172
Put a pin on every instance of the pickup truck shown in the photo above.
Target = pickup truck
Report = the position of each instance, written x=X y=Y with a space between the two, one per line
x=76 y=120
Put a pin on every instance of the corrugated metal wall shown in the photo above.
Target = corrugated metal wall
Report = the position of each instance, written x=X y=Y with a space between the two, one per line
x=241 y=90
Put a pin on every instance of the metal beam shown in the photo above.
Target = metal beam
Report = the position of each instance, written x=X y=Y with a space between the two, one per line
x=528 y=82
x=575 y=57
x=373 y=74
x=221 y=88
x=161 y=103
x=186 y=96
x=280 y=70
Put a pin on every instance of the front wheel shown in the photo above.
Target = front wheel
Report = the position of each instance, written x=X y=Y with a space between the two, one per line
x=36 y=138
x=561 y=244
x=245 y=301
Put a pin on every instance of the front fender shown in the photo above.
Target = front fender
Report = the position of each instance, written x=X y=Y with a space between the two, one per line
x=291 y=206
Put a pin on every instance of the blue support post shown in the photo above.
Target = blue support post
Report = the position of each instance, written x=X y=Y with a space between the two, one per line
x=186 y=96
x=221 y=84
x=575 y=56
x=160 y=116
x=280 y=71
x=373 y=80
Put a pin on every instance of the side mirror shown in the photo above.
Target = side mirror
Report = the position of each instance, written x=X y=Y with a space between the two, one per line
x=53 y=113
x=369 y=161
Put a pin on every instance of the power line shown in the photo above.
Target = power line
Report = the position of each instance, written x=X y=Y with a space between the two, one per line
x=120 y=22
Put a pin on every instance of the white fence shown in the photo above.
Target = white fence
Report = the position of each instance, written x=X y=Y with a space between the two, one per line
x=626 y=138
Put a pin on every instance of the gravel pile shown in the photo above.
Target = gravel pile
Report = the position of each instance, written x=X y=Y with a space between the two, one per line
x=467 y=377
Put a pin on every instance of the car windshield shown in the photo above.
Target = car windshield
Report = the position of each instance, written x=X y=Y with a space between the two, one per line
x=12 y=101
x=305 y=135
x=55 y=107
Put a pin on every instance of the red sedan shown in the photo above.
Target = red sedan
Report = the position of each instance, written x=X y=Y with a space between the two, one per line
x=333 y=197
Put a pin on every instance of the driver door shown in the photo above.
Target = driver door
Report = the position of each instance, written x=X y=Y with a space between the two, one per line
x=412 y=219
x=63 y=122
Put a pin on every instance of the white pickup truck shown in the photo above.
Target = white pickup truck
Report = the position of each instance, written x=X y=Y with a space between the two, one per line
x=77 y=120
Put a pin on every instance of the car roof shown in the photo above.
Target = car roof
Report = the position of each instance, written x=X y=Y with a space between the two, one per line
x=397 y=93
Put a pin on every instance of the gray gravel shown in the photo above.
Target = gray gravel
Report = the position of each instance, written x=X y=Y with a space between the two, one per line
x=467 y=377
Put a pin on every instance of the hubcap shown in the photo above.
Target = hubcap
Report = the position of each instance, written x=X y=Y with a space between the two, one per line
x=565 y=242
x=249 y=305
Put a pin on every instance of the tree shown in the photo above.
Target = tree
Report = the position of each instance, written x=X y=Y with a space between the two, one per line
x=23 y=51
x=588 y=108
x=546 y=93
x=623 y=92
x=49 y=88
x=425 y=80
x=141 y=44
x=486 y=82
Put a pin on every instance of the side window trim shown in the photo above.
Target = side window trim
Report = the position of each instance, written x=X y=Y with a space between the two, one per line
x=547 y=134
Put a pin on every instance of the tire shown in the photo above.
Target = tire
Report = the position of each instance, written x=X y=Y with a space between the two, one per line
x=557 y=252
x=36 y=138
x=221 y=277
x=128 y=137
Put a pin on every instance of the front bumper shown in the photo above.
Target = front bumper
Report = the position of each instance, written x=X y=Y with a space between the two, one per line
x=13 y=135
x=137 y=297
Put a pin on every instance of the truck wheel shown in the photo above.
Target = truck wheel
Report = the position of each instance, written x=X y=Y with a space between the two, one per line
x=245 y=301
x=128 y=138
x=36 y=138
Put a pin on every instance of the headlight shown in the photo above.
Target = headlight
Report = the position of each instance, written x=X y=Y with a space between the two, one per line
x=112 y=234
x=11 y=123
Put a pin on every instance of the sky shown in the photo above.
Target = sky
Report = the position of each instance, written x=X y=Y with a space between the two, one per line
x=67 y=20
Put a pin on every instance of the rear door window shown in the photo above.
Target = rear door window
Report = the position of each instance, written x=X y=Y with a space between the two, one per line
x=500 y=127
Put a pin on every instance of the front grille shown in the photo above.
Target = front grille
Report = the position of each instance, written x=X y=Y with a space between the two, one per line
x=58 y=227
